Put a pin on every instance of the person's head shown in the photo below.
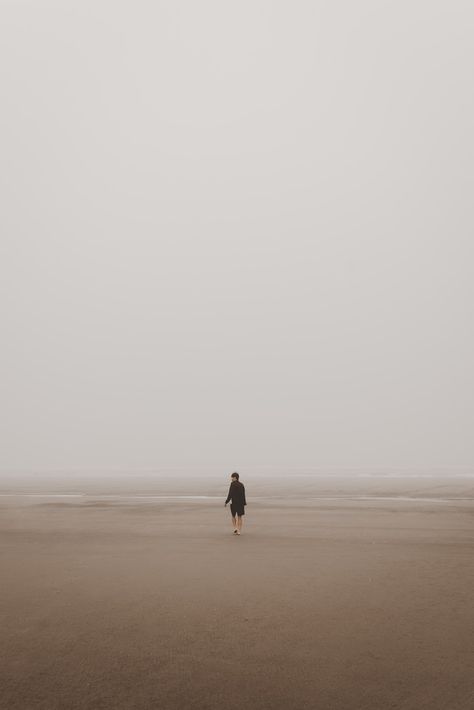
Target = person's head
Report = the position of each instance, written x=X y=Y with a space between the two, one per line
x=235 y=476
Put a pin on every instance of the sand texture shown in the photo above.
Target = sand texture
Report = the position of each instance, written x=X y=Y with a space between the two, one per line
x=342 y=593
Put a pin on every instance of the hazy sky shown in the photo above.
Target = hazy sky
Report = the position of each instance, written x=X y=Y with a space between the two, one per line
x=236 y=233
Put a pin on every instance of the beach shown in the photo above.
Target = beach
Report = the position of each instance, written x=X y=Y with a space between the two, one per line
x=344 y=592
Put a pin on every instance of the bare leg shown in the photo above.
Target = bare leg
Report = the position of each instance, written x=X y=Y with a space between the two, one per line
x=239 y=524
x=234 y=523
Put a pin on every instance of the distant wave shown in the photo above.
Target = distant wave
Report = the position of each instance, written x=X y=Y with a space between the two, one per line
x=289 y=499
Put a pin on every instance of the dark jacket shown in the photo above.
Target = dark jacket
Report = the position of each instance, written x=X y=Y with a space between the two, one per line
x=236 y=494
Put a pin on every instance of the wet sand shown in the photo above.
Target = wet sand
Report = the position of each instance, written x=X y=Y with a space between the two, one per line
x=343 y=592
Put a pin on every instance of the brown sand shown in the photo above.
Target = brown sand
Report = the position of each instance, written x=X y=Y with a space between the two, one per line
x=327 y=600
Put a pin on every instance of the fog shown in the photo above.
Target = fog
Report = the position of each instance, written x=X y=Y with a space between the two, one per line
x=236 y=234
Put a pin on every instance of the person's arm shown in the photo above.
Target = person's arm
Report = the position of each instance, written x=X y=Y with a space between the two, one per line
x=243 y=491
x=229 y=497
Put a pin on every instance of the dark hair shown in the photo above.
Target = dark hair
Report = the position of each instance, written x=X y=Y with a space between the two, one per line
x=235 y=475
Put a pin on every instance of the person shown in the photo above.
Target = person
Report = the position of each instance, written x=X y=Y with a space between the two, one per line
x=237 y=501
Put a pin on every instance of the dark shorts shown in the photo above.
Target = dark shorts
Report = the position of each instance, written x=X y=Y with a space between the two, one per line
x=237 y=510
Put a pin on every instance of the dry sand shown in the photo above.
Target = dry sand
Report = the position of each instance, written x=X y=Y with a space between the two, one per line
x=343 y=593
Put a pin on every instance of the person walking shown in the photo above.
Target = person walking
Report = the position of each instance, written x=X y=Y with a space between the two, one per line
x=237 y=501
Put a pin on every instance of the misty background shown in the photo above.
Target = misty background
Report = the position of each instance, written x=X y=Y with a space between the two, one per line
x=236 y=233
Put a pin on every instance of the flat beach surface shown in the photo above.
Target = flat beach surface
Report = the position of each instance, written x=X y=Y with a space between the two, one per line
x=344 y=592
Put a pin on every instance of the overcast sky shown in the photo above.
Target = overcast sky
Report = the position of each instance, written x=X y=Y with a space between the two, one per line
x=236 y=233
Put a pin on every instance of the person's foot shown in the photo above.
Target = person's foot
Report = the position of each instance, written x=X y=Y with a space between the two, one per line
x=236 y=532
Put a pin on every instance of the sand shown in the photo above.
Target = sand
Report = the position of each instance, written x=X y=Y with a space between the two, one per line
x=344 y=592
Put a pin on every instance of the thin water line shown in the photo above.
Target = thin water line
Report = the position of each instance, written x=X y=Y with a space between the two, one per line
x=118 y=496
